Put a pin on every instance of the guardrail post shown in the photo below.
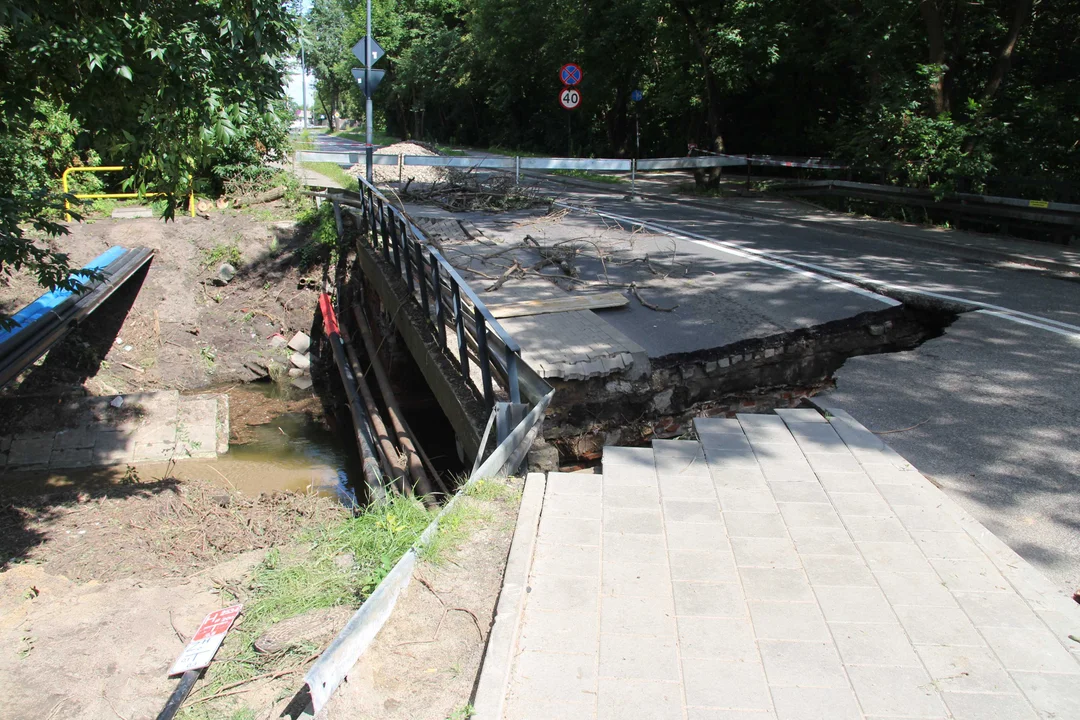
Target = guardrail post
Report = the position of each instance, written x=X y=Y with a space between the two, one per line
x=394 y=239
x=512 y=375
x=440 y=306
x=340 y=225
x=422 y=279
x=482 y=356
x=459 y=322
x=517 y=170
x=406 y=250
x=385 y=231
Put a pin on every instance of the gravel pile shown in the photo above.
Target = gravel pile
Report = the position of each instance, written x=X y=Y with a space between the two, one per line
x=389 y=173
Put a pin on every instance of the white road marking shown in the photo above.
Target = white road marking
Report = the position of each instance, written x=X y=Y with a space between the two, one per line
x=837 y=277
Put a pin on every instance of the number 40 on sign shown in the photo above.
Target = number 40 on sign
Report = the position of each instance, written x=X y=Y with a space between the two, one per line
x=570 y=98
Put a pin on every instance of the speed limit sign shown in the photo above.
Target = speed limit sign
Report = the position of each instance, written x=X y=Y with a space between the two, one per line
x=570 y=97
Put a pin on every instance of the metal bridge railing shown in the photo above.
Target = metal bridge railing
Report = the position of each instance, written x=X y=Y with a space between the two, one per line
x=450 y=305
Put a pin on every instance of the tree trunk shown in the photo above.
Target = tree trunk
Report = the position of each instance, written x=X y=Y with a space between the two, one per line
x=1021 y=15
x=935 y=36
x=712 y=117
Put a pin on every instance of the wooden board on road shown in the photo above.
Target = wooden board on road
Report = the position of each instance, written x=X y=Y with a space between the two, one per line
x=599 y=301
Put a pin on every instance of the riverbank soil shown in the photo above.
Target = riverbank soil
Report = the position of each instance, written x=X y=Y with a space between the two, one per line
x=425 y=661
x=181 y=330
x=101 y=587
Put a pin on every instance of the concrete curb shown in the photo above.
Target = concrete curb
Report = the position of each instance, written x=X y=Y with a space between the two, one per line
x=876 y=233
x=494 y=682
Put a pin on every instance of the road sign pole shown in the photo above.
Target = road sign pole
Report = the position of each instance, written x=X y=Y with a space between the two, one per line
x=369 y=150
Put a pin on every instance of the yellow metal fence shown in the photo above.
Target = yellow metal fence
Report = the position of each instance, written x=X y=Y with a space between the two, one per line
x=113 y=168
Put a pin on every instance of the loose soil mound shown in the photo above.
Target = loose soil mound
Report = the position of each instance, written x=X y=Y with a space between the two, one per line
x=389 y=173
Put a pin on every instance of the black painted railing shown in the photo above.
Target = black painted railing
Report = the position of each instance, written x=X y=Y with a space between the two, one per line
x=447 y=300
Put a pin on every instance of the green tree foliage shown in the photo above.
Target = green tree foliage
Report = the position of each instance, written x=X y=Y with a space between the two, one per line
x=167 y=88
x=933 y=92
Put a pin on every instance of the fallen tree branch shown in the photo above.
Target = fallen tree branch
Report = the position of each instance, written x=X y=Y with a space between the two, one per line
x=646 y=303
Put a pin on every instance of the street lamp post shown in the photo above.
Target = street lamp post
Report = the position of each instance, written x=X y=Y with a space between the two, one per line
x=369 y=150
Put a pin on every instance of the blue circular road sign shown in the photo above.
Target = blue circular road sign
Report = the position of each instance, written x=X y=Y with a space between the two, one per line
x=570 y=74
x=637 y=95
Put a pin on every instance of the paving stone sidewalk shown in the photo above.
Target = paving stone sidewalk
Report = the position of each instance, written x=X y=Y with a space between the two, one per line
x=787 y=566
x=145 y=427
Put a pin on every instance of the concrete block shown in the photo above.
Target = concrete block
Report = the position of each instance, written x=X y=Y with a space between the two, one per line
x=861 y=504
x=696 y=536
x=153 y=451
x=896 y=691
x=713 y=565
x=765 y=552
x=716 y=683
x=635 y=522
x=776 y=584
x=30 y=450
x=696 y=486
x=586 y=507
x=113 y=447
x=633 y=548
x=842 y=570
x=977 y=575
x=788 y=620
x=813 y=703
x=965 y=669
x=73 y=439
x=71 y=458
x=300 y=343
x=579 y=560
x=952 y=545
x=569 y=531
x=1029 y=650
x=874 y=644
x=1053 y=695
x=870 y=529
x=981 y=706
x=938 y=626
x=619 y=698
x=638 y=657
x=746 y=499
x=638 y=616
x=709 y=599
x=823 y=541
x=846 y=482
x=742 y=524
x=574 y=484
x=809 y=515
x=854 y=604
x=704 y=510
x=998 y=610
x=802 y=663
x=798 y=492
x=717 y=639
x=300 y=360
x=925 y=589
x=636 y=580
x=560 y=632
x=894 y=556
x=564 y=593
x=634 y=497
x=536 y=673
x=833 y=462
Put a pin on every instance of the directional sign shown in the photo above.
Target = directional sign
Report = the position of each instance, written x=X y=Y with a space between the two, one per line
x=376 y=51
x=570 y=98
x=376 y=78
x=637 y=95
x=570 y=74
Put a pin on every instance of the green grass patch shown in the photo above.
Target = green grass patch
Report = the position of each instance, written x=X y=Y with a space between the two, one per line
x=591 y=176
x=337 y=564
x=377 y=137
x=222 y=253
x=335 y=173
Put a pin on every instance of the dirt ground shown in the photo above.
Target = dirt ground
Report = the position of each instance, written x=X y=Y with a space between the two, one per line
x=424 y=663
x=180 y=331
x=109 y=584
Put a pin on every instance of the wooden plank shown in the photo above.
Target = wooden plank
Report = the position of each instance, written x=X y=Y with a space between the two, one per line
x=564 y=304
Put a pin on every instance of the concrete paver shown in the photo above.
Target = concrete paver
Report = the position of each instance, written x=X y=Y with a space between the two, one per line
x=833 y=594
x=146 y=427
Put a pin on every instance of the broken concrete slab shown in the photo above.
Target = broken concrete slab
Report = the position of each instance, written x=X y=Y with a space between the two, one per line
x=300 y=342
x=302 y=361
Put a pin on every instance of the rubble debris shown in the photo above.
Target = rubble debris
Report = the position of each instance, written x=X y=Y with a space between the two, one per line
x=300 y=360
x=300 y=342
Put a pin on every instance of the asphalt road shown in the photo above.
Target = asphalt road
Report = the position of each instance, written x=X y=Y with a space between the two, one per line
x=994 y=398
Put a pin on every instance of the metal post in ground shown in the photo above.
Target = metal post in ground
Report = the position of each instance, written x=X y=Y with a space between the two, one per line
x=369 y=150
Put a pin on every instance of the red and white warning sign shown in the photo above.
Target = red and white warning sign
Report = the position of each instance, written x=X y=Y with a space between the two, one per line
x=206 y=641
